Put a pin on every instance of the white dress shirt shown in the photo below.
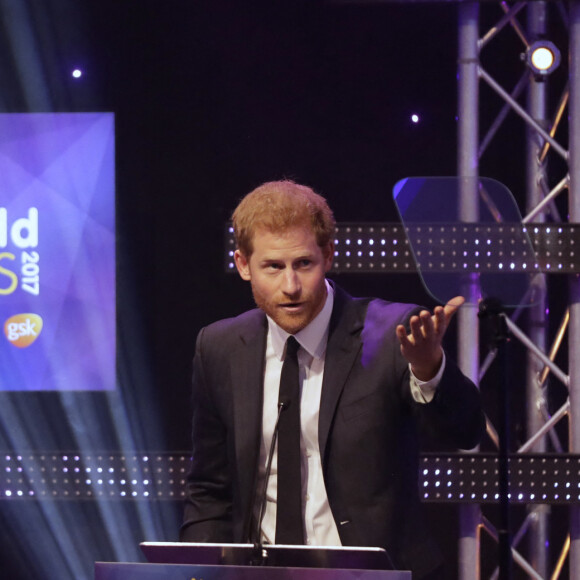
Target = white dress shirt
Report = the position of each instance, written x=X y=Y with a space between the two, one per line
x=319 y=525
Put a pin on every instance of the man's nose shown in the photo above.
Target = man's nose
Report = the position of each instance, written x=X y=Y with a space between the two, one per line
x=291 y=282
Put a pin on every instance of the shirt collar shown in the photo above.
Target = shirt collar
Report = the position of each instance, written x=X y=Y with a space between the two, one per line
x=312 y=338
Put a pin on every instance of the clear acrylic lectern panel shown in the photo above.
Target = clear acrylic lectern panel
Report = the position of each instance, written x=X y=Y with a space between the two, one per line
x=467 y=229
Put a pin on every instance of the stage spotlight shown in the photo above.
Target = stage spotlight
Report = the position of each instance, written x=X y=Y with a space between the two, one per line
x=543 y=57
x=77 y=73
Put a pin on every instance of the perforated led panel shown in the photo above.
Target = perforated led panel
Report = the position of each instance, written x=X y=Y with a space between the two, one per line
x=453 y=477
x=485 y=248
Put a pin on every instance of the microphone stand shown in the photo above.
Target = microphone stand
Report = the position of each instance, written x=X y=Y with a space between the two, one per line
x=492 y=310
x=260 y=554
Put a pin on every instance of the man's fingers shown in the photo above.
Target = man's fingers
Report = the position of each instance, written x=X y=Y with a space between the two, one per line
x=402 y=335
x=425 y=325
x=416 y=326
x=453 y=306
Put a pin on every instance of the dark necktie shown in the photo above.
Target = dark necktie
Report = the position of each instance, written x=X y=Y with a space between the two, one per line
x=289 y=496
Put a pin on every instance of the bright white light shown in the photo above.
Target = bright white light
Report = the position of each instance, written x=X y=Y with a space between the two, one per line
x=415 y=118
x=542 y=58
x=77 y=73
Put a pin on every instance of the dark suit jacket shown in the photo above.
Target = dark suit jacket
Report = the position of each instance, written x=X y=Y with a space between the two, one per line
x=369 y=430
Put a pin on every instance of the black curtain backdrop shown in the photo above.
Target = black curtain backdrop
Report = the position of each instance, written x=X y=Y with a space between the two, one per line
x=213 y=99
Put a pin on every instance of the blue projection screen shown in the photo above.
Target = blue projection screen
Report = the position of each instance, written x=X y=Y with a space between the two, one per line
x=57 y=252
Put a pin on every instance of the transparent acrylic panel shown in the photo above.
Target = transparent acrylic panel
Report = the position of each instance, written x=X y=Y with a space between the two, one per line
x=464 y=231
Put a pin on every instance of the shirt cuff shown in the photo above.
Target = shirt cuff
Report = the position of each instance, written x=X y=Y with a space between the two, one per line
x=424 y=391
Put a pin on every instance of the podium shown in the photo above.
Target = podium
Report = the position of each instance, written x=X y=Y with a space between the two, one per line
x=128 y=571
x=204 y=561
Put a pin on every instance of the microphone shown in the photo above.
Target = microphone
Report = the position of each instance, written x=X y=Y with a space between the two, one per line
x=259 y=553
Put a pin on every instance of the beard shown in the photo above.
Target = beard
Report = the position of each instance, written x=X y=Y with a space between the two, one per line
x=292 y=319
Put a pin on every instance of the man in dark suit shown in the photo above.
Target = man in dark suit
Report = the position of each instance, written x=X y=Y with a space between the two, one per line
x=373 y=377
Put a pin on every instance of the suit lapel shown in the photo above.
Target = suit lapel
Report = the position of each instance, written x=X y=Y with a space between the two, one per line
x=341 y=352
x=248 y=377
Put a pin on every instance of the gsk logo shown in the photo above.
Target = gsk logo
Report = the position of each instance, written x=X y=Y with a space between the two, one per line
x=23 y=329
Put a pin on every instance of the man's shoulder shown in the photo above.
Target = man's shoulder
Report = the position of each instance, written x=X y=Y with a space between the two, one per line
x=382 y=317
x=371 y=309
x=379 y=308
x=250 y=321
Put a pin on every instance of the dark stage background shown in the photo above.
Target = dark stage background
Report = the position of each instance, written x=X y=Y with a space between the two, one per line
x=212 y=98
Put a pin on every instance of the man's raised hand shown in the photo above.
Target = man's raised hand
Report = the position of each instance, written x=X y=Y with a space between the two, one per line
x=422 y=347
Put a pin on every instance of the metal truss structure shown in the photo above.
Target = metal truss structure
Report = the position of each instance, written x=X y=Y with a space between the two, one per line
x=541 y=142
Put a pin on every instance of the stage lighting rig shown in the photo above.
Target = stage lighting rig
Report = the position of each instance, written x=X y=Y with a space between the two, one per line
x=543 y=58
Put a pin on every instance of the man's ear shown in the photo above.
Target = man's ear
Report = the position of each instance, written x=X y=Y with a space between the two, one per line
x=243 y=265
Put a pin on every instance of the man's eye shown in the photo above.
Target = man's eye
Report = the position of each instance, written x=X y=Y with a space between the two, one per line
x=305 y=263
